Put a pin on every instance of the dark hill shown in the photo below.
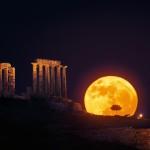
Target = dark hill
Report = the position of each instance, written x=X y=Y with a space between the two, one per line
x=36 y=124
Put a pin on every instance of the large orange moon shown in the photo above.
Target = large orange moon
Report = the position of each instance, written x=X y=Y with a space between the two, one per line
x=110 y=96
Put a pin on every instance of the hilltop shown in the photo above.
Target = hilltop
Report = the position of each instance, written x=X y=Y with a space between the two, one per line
x=41 y=123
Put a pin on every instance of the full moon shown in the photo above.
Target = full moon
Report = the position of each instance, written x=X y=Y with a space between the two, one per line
x=110 y=96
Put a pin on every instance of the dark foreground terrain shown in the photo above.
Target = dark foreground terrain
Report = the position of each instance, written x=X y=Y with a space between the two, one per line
x=35 y=124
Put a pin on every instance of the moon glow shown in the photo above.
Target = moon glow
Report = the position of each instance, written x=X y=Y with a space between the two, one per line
x=110 y=96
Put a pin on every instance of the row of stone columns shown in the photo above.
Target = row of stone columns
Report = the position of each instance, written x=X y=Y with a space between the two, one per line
x=49 y=80
x=7 y=80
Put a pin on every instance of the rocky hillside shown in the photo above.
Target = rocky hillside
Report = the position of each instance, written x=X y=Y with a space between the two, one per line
x=54 y=124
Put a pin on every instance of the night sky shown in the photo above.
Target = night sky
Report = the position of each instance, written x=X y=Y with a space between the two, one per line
x=92 y=38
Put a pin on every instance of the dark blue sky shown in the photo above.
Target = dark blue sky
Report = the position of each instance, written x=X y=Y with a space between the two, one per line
x=92 y=38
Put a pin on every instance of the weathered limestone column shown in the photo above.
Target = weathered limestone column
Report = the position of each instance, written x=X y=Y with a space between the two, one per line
x=41 y=79
x=11 y=79
x=10 y=75
x=5 y=81
x=64 y=81
x=58 y=72
x=1 y=84
x=53 y=80
x=34 y=74
x=46 y=79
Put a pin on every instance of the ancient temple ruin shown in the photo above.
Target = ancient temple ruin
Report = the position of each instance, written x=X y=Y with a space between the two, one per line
x=49 y=78
x=7 y=80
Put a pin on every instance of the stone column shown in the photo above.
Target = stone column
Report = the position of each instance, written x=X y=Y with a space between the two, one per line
x=5 y=81
x=53 y=81
x=34 y=74
x=11 y=79
x=48 y=81
x=1 y=84
x=40 y=79
x=58 y=71
x=64 y=81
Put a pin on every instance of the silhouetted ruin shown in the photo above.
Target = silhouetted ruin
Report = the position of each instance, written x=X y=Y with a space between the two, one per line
x=7 y=80
x=49 y=78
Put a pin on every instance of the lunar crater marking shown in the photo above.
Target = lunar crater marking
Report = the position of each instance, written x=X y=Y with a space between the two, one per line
x=108 y=91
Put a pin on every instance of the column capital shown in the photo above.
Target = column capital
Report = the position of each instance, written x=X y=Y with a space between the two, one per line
x=65 y=66
x=33 y=63
x=53 y=67
x=13 y=68
x=59 y=66
x=46 y=65
x=40 y=65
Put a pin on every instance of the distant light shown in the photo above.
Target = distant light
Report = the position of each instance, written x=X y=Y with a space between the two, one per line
x=140 y=116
